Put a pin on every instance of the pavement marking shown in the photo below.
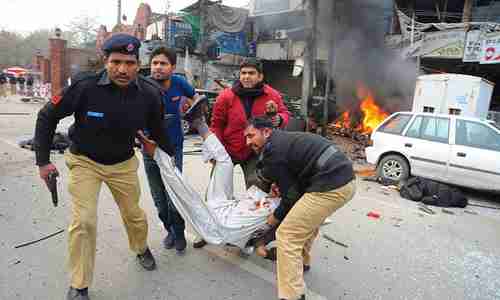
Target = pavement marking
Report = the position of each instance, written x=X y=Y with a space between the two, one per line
x=249 y=266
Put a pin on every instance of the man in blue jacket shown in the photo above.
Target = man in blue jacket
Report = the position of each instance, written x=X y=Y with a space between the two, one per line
x=176 y=89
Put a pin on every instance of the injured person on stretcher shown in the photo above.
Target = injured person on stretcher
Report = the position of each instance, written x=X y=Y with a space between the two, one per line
x=222 y=218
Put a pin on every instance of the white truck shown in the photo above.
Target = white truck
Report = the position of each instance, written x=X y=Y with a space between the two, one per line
x=453 y=94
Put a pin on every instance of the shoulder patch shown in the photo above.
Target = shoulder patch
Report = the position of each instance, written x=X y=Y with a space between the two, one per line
x=56 y=99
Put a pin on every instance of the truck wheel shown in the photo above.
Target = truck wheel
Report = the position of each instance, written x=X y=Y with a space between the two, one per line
x=393 y=167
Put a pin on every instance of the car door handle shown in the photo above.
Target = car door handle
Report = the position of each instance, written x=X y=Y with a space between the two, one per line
x=408 y=145
x=461 y=154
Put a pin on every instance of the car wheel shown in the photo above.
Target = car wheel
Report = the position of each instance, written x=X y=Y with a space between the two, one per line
x=186 y=128
x=393 y=167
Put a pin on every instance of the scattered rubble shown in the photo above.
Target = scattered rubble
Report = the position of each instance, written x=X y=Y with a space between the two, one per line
x=353 y=148
x=426 y=209
x=39 y=240
x=373 y=215
x=446 y=211
x=329 y=238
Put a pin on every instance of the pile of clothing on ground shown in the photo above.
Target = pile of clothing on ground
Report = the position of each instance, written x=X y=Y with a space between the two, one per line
x=431 y=192
x=60 y=142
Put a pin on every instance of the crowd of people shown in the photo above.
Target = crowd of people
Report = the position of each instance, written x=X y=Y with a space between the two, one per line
x=307 y=172
x=12 y=85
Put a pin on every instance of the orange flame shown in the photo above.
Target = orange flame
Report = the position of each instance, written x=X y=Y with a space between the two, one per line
x=344 y=121
x=373 y=115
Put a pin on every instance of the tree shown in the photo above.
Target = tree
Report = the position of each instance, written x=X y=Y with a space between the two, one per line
x=10 y=43
x=83 y=31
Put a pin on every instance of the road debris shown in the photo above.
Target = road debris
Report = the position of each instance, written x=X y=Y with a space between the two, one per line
x=373 y=215
x=329 y=238
x=39 y=240
x=446 y=211
x=426 y=209
x=484 y=206
x=15 y=263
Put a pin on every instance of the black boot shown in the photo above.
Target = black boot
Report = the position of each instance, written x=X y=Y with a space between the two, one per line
x=77 y=294
x=180 y=243
x=146 y=260
x=169 y=241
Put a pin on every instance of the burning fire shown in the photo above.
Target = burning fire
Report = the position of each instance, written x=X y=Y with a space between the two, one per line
x=373 y=115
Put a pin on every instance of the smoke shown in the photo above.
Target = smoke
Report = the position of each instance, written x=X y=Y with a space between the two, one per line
x=361 y=55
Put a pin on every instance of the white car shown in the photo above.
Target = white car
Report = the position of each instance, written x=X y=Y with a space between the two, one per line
x=447 y=148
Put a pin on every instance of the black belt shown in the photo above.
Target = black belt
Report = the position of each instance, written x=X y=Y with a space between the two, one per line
x=325 y=156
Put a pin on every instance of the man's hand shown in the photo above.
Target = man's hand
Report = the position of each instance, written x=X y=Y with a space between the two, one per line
x=149 y=146
x=185 y=104
x=272 y=112
x=275 y=191
x=45 y=170
x=271 y=220
x=271 y=108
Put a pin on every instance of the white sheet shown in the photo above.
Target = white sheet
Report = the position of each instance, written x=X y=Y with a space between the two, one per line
x=223 y=218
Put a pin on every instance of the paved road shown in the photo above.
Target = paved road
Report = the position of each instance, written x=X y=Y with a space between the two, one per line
x=405 y=254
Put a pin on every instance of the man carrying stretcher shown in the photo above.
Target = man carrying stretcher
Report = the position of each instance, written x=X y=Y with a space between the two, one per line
x=222 y=218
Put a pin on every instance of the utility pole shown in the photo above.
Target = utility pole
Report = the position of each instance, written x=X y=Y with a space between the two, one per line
x=467 y=13
x=203 y=42
x=309 y=56
x=331 y=69
x=119 y=16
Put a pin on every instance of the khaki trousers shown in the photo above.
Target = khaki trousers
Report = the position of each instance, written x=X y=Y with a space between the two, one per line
x=85 y=180
x=296 y=234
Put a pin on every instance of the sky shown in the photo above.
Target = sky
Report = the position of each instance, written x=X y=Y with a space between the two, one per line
x=29 y=15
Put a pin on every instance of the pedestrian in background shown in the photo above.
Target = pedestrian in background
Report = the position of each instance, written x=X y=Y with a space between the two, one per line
x=3 y=85
x=13 y=83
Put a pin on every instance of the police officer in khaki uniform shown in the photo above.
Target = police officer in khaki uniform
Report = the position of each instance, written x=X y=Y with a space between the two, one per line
x=314 y=178
x=109 y=108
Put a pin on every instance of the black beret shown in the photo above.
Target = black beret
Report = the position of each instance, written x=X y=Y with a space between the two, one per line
x=122 y=43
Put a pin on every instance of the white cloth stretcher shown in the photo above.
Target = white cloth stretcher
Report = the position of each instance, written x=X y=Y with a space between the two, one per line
x=222 y=218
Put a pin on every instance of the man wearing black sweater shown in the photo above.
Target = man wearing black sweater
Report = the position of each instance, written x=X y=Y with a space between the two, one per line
x=314 y=179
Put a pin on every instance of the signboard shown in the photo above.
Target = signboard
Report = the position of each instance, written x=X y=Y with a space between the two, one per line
x=490 y=53
x=473 y=46
x=444 y=44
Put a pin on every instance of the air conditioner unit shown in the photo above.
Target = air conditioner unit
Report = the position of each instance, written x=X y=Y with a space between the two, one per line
x=280 y=34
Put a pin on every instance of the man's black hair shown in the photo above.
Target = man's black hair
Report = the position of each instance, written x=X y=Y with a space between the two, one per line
x=169 y=53
x=252 y=63
x=261 y=122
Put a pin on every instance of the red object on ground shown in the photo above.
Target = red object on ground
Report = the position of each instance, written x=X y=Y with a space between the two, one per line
x=373 y=214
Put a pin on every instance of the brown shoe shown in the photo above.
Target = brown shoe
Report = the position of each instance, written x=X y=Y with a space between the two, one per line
x=199 y=244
